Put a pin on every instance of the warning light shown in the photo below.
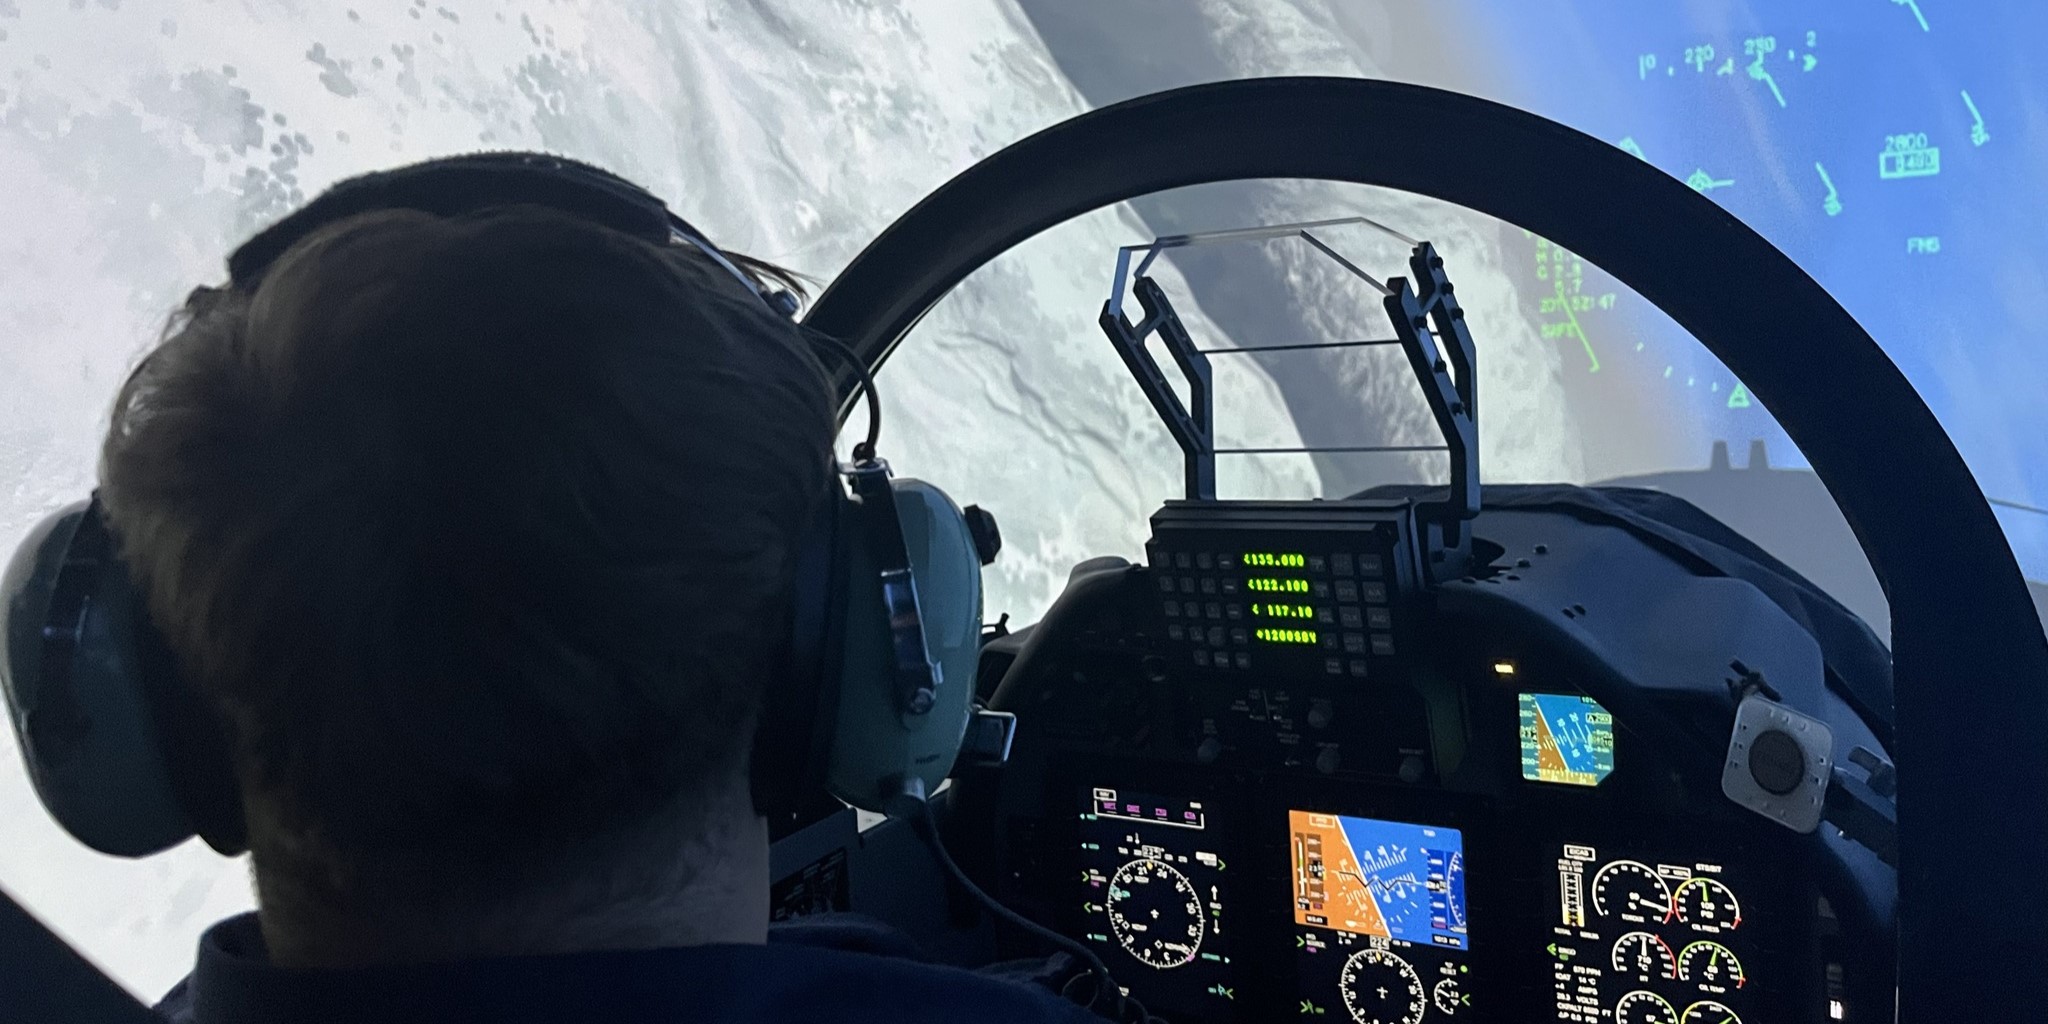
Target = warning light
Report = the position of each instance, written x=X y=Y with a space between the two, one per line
x=1504 y=669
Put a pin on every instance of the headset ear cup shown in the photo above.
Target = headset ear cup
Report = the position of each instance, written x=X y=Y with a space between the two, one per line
x=877 y=745
x=75 y=680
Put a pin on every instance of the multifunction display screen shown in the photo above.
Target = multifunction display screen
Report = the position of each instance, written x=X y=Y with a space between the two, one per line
x=1380 y=916
x=1645 y=941
x=1567 y=739
x=1153 y=888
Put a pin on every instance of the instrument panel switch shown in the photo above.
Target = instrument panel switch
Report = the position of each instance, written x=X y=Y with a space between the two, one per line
x=1320 y=714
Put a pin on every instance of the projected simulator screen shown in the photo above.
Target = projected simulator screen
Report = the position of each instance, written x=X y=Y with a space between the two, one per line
x=1379 y=913
x=1884 y=146
x=1152 y=896
x=1566 y=738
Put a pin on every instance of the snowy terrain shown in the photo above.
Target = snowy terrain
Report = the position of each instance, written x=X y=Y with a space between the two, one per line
x=1353 y=396
x=139 y=139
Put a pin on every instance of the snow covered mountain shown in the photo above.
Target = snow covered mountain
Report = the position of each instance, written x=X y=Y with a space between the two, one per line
x=140 y=139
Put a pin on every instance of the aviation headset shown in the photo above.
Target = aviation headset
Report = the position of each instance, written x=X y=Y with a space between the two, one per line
x=870 y=705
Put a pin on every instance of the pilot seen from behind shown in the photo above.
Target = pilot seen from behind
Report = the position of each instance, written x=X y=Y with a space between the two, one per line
x=478 y=531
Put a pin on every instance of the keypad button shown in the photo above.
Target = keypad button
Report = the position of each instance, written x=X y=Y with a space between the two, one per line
x=1354 y=643
x=1176 y=632
x=1215 y=636
x=1202 y=658
x=1208 y=585
x=1340 y=564
x=1333 y=666
x=1379 y=618
x=1242 y=658
x=1357 y=668
x=1233 y=611
x=1323 y=616
x=1213 y=610
x=1382 y=645
x=1370 y=565
x=1166 y=584
x=1350 y=617
x=1203 y=560
x=1347 y=590
x=1229 y=585
x=1187 y=584
x=1317 y=564
x=1239 y=636
x=1374 y=593
x=1180 y=560
x=1191 y=610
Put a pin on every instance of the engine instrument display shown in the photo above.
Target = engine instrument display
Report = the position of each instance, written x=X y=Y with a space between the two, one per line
x=1153 y=894
x=1380 y=915
x=1643 y=942
x=1566 y=738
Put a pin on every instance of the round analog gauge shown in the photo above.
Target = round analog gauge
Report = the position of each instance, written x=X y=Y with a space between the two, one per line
x=1381 y=988
x=1155 y=913
x=1707 y=1011
x=1632 y=891
x=1707 y=905
x=1711 y=966
x=1643 y=956
x=1641 y=1007
x=1447 y=997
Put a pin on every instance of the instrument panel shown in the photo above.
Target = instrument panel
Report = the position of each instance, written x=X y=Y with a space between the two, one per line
x=1367 y=908
x=1374 y=814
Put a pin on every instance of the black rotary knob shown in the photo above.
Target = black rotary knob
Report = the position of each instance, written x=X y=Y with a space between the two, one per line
x=1776 y=762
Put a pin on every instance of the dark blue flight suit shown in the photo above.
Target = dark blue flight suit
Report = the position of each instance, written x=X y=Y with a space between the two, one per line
x=835 y=969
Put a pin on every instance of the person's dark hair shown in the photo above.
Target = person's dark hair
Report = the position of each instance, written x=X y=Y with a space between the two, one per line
x=480 y=532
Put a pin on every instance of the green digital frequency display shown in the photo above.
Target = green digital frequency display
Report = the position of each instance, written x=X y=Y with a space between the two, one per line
x=1274 y=559
x=1283 y=611
x=1273 y=585
x=1286 y=636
